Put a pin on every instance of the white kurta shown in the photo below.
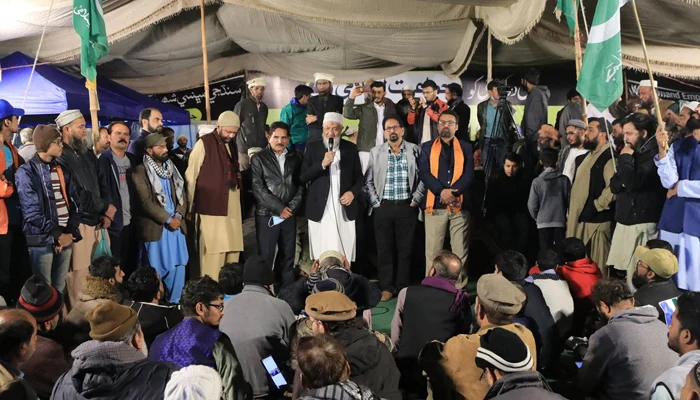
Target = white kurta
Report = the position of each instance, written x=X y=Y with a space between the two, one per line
x=334 y=231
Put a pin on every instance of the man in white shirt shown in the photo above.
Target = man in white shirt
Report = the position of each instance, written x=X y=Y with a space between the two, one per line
x=575 y=131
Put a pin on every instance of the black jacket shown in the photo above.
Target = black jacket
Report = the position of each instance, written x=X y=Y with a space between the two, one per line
x=508 y=195
x=273 y=188
x=252 y=131
x=640 y=195
x=445 y=166
x=319 y=178
x=371 y=364
x=155 y=318
x=84 y=170
x=402 y=109
x=108 y=174
x=655 y=292
x=464 y=113
x=319 y=106
x=522 y=385
x=540 y=322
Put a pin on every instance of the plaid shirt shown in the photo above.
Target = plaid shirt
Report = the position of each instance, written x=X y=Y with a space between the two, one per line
x=396 y=187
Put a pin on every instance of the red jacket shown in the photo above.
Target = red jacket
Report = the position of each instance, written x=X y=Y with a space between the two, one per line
x=581 y=275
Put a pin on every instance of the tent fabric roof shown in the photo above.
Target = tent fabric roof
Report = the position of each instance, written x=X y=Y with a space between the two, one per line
x=354 y=40
x=53 y=91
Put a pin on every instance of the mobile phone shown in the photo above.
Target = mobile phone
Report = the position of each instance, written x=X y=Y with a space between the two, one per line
x=274 y=371
x=578 y=364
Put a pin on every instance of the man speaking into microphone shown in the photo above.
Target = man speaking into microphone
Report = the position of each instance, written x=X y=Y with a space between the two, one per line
x=332 y=169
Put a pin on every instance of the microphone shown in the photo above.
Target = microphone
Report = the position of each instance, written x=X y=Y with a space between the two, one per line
x=330 y=144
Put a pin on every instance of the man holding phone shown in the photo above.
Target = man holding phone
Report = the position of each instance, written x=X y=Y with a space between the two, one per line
x=424 y=116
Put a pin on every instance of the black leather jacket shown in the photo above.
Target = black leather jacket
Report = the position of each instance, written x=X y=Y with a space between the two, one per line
x=273 y=189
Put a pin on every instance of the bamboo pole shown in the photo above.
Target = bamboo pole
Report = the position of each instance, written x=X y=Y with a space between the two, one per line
x=579 y=57
x=205 y=63
x=489 y=59
x=651 y=74
x=94 y=104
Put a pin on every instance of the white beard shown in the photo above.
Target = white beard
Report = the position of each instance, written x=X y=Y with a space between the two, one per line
x=336 y=143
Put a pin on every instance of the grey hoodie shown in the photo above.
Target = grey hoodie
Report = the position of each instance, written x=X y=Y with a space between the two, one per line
x=668 y=386
x=625 y=356
x=535 y=113
x=549 y=199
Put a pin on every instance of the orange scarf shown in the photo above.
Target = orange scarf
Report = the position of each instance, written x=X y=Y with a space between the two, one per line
x=458 y=159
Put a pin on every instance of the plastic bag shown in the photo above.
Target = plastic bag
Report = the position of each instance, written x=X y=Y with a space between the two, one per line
x=102 y=248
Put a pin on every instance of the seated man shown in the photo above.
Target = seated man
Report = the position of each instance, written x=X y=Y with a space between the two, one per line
x=51 y=358
x=258 y=324
x=101 y=285
x=325 y=371
x=581 y=273
x=652 y=279
x=332 y=264
x=370 y=362
x=197 y=340
x=554 y=289
x=433 y=310
x=146 y=291
x=535 y=314
x=18 y=337
x=507 y=364
x=196 y=382
x=114 y=362
x=451 y=376
x=231 y=280
x=625 y=356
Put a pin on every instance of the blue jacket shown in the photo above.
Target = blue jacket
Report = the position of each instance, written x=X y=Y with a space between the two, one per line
x=40 y=217
x=108 y=174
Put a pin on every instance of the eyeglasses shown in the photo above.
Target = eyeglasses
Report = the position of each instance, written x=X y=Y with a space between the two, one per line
x=392 y=128
x=427 y=92
x=58 y=142
x=219 y=306
x=570 y=133
x=447 y=123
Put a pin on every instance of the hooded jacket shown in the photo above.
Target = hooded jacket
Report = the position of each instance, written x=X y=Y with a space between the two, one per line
x=549 y=199
x=371 y=364
x=625 y=356
x=581 y=275
x=521 y=385
x=294 y=115
x=535 y=114
x=112 y=371
x=640 y=195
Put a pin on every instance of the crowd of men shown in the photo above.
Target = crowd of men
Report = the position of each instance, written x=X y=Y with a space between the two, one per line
x=126 y=276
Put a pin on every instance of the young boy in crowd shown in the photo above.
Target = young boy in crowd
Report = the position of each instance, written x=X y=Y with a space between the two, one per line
x=549 y=201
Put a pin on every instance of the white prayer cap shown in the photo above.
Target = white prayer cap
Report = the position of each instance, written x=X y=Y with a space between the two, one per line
x=647 y=83
x=256 y=82
x=196 y=382
x=407 y=88
x=67 y=117
x=320 y=76
x=692 y=105
x=205 y=129
x=333 y=117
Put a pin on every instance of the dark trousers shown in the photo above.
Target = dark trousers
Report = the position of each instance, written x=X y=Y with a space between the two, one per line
x=277 y=245
x=549 y=237
x=124 y=247
x=394 y=228
x=512 y=230
x=14 y=263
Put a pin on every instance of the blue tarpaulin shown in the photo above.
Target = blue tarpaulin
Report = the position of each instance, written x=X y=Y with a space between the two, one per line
x=54 y=91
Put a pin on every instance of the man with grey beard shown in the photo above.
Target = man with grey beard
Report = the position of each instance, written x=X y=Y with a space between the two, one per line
x=95 y=210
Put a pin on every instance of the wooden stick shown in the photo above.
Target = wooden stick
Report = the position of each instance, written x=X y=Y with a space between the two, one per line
x=651 y=74
x=579 y=57
x=94 y=104
x=489 y=60
x=205 y=64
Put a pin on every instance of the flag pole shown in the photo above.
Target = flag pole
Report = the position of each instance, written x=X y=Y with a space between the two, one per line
x=651 y=74
x=205 y=64
x=94 y=104
x=579 y=57
x=489 y=59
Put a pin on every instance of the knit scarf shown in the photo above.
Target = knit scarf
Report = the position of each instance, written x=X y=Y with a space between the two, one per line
x=458 y=160
x=155 y=171
x=448 y=285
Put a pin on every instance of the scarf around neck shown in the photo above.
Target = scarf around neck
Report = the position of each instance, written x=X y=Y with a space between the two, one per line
x=457 y=171
x=167 y=171
x=448 y=285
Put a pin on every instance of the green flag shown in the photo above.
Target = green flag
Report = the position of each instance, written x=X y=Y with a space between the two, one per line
x=568 y=9
x=600 y=81
x=89 y=23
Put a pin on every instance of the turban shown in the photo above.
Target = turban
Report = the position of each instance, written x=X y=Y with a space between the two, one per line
x=67 y=117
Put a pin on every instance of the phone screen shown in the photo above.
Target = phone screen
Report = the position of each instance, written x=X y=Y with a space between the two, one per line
x=579 y=364
x=274 y=372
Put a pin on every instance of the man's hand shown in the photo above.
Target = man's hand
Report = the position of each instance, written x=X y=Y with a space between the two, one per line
x=662 y=141
x=672 y=191
x=356 y=91
x=111 y=211
x=310 y=119
x=314 y=267
x=65 y=240
x=286 y=213
x=347 y=198
x=447 y=196
x=346 y=263
x=627 y=150
x=328 y=159
x=423 y=102
x=106 y=222
x=414 y=204
x=174 y=223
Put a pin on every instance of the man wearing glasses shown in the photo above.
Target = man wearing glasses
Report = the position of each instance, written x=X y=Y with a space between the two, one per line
x=395 y=191
x=424 y=116
x=446 y=169
x=197 y=340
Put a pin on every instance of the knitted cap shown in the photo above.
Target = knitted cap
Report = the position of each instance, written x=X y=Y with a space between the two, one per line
x=499 y=294
x=43 y=136
x=67 y=117
x=154 y=139
x=327 y=285
x=257 y=272
x=228 y=118
x=196 y=382
x=40 y=299
x=110 y=321
x=503 y=350
x=661 y=261
x=330 y=253
x=330 y=306
x=577 y=123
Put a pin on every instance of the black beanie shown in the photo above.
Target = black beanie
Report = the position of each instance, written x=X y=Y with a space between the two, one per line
x=257 y=272
x=503 y=350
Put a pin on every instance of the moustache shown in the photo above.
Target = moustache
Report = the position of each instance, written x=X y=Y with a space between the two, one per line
x=122 y=141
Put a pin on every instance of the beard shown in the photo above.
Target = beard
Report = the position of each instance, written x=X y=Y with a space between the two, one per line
x=393 y=138
x=638 y=281
x=336 y=143
x=590 y=144
x=620 y=141
x=636 y=145
x=576 y=144
x=445 y=133
x=80 y=145
x=160 y=158
x=674 y=345
x=152 y=129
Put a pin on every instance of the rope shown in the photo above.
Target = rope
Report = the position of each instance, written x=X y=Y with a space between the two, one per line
x=583 y=14
x=36 y=58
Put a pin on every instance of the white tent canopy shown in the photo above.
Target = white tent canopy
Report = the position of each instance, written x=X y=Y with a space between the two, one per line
x=156 y=44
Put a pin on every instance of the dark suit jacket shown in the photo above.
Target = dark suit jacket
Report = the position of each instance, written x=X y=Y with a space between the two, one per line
x=108 y=174
x=319 y=178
